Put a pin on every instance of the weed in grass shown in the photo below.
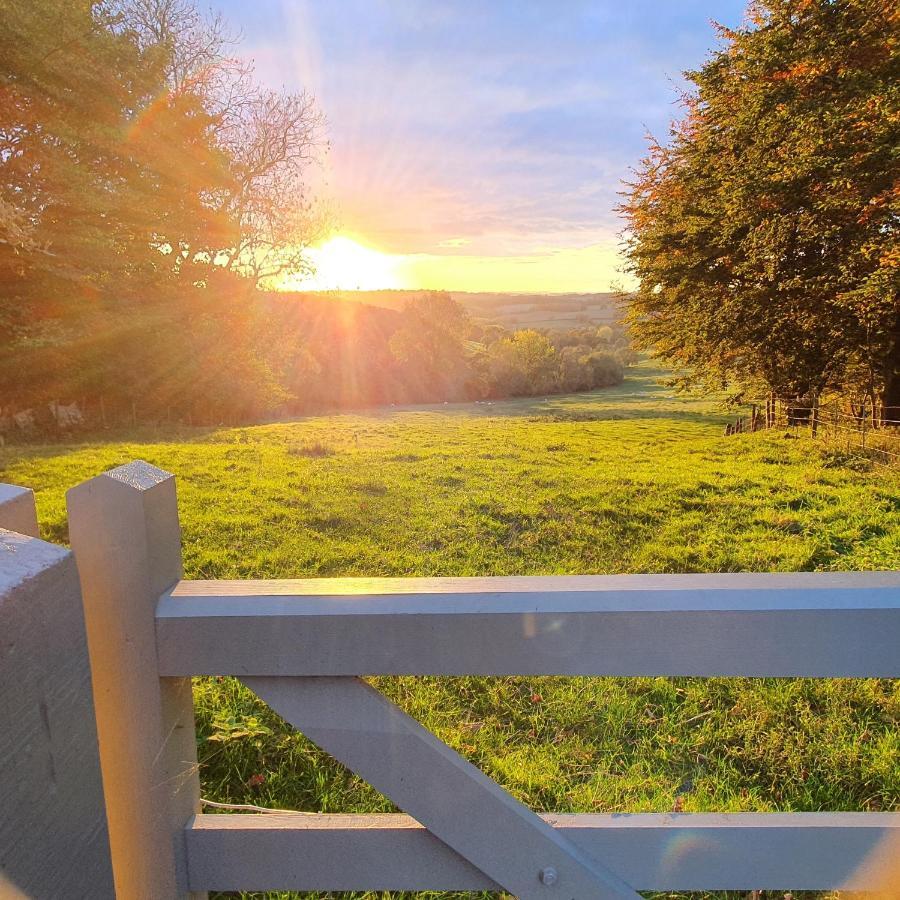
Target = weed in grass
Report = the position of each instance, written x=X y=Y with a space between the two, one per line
x=313 y=451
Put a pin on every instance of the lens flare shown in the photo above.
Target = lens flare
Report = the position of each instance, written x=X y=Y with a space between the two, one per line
x=343 y=264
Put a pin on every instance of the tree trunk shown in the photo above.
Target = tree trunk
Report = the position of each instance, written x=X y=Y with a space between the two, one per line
x=890 y=403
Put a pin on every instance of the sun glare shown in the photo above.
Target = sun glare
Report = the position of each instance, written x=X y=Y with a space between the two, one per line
x=345 y=264
x=342 y=264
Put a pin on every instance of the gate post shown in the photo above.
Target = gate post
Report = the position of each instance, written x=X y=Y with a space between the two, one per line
x=127 y=541
x=17 y=510
x=53 y=834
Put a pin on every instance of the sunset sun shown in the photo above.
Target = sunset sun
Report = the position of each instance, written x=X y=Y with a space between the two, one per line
x=343 y=264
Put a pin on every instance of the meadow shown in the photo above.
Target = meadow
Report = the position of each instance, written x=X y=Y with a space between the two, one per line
x=626 y=479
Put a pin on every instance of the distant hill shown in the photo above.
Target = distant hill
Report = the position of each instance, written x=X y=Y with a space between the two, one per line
x=542 y=310
x=512 y=311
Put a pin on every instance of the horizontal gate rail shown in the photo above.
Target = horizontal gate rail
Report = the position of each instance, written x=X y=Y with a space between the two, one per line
x=651 y=852
x=303 y=646
x=816 y=624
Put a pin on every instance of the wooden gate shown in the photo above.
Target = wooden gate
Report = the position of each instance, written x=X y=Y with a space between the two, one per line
x=304 y=647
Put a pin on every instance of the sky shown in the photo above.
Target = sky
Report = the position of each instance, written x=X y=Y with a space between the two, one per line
x=479 y=145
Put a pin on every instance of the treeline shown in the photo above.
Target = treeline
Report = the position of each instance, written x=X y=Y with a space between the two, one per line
x=444 y=355
x=150 y=193
x=226 y=357
x=764 y=232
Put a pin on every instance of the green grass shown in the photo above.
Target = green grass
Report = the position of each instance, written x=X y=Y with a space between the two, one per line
x=630 y=479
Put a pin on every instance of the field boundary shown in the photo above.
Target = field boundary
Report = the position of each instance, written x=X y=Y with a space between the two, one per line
x=861 y=433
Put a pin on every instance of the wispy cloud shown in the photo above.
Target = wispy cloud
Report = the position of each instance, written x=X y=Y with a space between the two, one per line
x=508 y=126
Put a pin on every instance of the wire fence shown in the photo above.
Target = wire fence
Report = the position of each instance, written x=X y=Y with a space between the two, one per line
x=862 y=433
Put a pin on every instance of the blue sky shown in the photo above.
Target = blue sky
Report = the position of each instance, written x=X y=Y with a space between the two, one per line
x=466 y=133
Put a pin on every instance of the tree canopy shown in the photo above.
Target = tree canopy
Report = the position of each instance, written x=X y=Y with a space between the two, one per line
x=763 y=233
x=137 y=154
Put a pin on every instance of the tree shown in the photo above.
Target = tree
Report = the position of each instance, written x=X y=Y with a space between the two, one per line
x=101 y=165
x=523 y=364
x=431 y=347
x=764 y=234
x=137 y=156
x=574 y=371
x=271 y=142
x=269 y=138
x=606 y=368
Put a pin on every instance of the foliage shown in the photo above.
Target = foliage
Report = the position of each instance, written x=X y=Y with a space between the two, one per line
x=529 y=362
x=430 y=347
x=97 y=163
x=645 y=484
x=521 y=364
x=217 y=354
x=764 y=234
x=269 y=137
x=137 y=158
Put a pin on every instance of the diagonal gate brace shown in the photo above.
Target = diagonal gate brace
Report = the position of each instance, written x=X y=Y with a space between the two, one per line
x=452 y=798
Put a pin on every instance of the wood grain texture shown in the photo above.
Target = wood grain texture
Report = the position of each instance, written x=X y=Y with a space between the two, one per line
x=797 y=624
x=653 y=852
x=53 y=830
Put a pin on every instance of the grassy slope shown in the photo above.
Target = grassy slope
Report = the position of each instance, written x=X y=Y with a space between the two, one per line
x=629 y=479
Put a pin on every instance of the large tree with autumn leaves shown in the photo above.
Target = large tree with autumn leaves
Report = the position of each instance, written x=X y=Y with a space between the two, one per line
x=138 y=157
x=763 y=233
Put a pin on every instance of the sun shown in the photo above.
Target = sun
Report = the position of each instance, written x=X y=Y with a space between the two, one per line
x=343 y=264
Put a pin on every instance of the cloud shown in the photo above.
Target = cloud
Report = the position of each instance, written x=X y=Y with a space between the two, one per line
x=497 y=129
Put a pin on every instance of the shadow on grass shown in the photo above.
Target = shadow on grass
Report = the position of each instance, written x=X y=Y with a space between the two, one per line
x=106 y=438
x=642 y=395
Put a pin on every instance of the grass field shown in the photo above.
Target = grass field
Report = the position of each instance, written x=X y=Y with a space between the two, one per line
x=629 y=479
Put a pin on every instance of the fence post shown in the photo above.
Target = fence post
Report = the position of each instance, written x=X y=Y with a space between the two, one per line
x=53 y=833
x=17 y=510
x=127 y=541
x=863 y=426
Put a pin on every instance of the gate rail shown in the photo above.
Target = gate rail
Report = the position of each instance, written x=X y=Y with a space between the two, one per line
x=304 y=647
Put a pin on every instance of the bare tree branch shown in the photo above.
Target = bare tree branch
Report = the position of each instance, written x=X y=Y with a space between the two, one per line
x=270 y=136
